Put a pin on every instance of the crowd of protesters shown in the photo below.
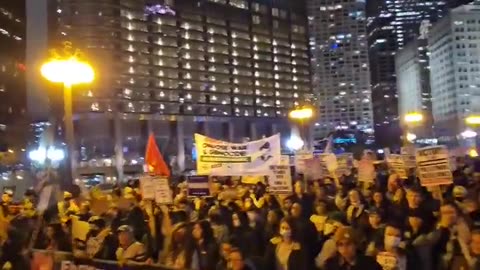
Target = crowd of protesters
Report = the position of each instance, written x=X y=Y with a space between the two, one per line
x=390 y=223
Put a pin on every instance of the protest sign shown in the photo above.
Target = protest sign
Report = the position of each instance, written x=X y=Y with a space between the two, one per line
x=301 y=158
x=253 y=179
x=198 y=186
x=366 y=170
x=147 y=187
x=79 y=229
x=344 y=164
x=222 y=158
x=284 y=160
x=396 y=164
x=163 y=194
x=408 y=153
x=434 y=166
x=280 y=180
x=323 y=165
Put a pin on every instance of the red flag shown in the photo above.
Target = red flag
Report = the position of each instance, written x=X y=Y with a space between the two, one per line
x=154 y=159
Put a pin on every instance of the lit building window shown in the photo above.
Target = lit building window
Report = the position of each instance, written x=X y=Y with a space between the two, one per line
x=95 y=107
x=130 y=70
x=188 y=66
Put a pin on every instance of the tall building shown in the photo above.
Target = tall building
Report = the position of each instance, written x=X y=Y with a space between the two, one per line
x=230 y=69
x=341 y=78
x=413 y=83
x=13 y=128
x=391 y=25
x=454 y=45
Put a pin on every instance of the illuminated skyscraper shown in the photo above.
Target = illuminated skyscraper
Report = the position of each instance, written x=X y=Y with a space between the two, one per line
x=455 y=67
x=230 y=69
x=391 y=25
x=341 y=77
x=13 y=125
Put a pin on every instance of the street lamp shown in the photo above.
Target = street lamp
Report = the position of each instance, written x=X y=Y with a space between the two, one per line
x=302 y=115
x=411 y=119
x=473 y=120
x=415 y=117
x=69 y=70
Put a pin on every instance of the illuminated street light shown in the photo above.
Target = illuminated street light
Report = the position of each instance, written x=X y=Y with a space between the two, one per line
x=473 y=153
x=295 y=143
x=69 y=72
x=411 y=137
x=41 y=154
x=413 y=117
x=473 y=120
x=468 y=134
x=301 y=114
x=67 y=68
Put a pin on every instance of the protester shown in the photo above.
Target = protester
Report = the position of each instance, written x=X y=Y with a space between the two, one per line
x=335 y=222
x=348 y=257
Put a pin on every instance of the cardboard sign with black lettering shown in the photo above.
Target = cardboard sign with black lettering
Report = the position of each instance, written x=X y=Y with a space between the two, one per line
x=434 y=166
x=280 y=180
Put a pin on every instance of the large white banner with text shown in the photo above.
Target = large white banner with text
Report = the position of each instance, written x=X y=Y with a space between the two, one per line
x=222 y=158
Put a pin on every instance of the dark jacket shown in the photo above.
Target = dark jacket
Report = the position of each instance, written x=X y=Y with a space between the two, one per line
x=296 y=261
x=362 y=263
x=208 y=255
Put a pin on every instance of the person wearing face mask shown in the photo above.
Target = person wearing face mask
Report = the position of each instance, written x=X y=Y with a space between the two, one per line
x=348 y=257
x=284 y=251
x=327 y=243
x=390 y=253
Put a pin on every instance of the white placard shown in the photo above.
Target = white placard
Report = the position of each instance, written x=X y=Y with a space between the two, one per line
x=280 y=180
x=434 y=166
x=396 y=164
x=163 y=194
x=300 y=161
x=147 y=187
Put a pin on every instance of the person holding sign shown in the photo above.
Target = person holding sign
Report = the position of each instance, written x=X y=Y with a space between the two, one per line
x=347 y=257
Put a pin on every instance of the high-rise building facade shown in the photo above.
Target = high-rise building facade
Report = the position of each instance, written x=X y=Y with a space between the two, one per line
x=413 y=83
x=341 y=77
x=13 y=128
x=391 y=25
x=454 y=45
x=230 y=69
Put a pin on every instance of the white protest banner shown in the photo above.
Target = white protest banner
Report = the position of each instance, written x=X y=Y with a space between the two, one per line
x=300 y=160
x=147 y=187
x=222 y=158
x=408 y=153
x=434 y=166
x=280 y=180
x=396 y=164
x=163 y=194
x=344 y=164
x=366 y=170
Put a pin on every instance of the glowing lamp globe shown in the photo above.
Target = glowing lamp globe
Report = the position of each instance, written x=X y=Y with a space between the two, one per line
x=69 y=72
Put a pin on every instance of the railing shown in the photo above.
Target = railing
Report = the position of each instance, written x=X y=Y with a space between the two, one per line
x=58 y=260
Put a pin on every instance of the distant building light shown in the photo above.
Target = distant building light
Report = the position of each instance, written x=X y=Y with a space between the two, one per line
x=159 y=10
